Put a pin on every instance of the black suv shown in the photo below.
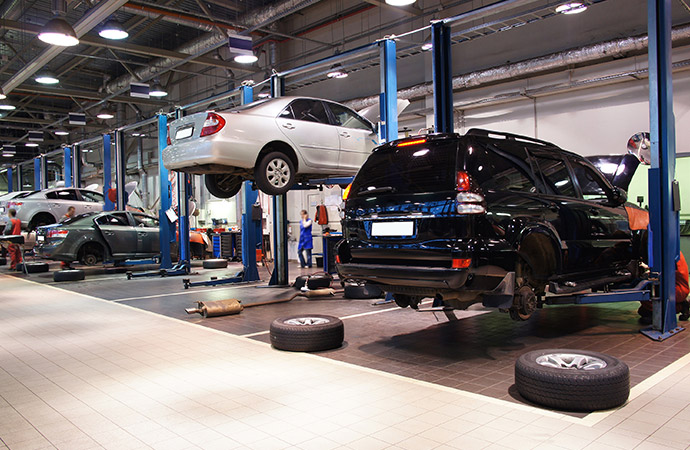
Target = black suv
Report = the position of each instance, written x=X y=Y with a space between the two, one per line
x=486 y=217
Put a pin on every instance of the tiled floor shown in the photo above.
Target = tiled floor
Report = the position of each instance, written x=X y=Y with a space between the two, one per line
x=79 y=372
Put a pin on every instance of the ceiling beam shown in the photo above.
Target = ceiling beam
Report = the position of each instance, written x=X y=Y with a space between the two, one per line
x=78 y=93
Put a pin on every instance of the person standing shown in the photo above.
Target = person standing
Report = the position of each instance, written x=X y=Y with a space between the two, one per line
x=13 y=228
x=71 y=211
x=305 y=240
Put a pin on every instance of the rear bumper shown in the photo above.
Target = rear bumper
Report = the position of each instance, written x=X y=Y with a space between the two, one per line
x=413 y=276
x=207 y=152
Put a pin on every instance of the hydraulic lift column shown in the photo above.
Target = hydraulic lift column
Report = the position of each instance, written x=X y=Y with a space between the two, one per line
x=120 y=170
x=10 y=178
x=68 y=166
x=76 y=165
x=37 y=173
x=107 y=172
x=251 y=229
x=443 y=77
x=280 y=266
x=183 y=195
x=167 y=228
x=389 y=91
x=664 y=193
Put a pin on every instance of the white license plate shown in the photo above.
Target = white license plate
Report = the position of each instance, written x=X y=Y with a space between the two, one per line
x=184 y=133
x=40 y=238
x=392 y=229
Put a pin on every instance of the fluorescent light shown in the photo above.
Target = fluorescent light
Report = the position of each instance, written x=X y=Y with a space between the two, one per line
x=7 y=106
x=246 y=59
x=105 y=114
x=46 y=78
x=571 y=8
x=7 y=155
x=427 y=46
x=113 y=30
x=264 y=94
x=31 y=144
x=399 y=2
x=337 y=72
x=61 y=132
x=157 y=91
x=58 y=32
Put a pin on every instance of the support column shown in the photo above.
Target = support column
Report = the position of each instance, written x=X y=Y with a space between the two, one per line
x=107 y=173
x=251 y=229
x=20 y=179
x=388 y=100
x=279 y=204
x=67 y=167
x=76 y=165
x=664 y=195
x=167 y=228
x=443 y=77
x=37 y=173
x=10 y=179
x=44 y=172
x=120 y=170
x=183 y=195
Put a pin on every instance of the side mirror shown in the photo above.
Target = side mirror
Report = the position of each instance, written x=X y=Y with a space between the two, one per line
x=639 y=145
x=619 y=196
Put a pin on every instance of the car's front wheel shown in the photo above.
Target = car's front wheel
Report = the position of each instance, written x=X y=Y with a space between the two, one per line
x=223 y=185
x=275 y=173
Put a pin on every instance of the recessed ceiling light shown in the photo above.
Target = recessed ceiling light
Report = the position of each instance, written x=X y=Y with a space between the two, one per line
x=246 y=59
x=157 y=91
x=427 y=46
x=61 y=132
x=105 y=114
x=46 y=77
x=113 y=30
x=399 y=2
x=58 y=32
x=571 y=8
x=31 y=144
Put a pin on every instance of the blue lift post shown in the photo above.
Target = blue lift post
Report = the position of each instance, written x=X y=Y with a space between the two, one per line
x=10 y=179
x=120 y=170
x=389 y=91
x=280 y=266
x=37 y=173
x=107 y=172
x=76 y=165
x=67 y=166
x=167 y=228
x=183 y=195
x=442 y=74
x=664 y=196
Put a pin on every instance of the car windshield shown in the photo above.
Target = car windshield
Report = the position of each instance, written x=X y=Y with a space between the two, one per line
x=78 y=218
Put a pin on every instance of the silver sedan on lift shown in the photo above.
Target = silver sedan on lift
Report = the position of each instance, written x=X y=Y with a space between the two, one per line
x=276 y=142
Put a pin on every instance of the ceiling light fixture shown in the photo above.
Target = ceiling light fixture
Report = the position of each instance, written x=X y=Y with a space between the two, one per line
x=246 y=59
x=113 y=30
x=61 y=132
x=157 y=90
x=31 y=144
x=399 y=2
x=571 y=8
x=427 y=46
x=337 y=72
x=46 y=77
x=58 y=32
x=105 y=113
x=7 y=106
x=7 y=155
x=2 y=94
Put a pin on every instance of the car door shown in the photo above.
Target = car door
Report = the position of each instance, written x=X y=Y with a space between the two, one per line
x=60 y=200
x=119 y=234
x=90 y=201
x=357 y=137
x=148 y=233
x=306 y=124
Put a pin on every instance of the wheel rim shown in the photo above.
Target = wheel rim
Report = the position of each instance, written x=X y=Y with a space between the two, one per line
x=306 y=321
x=90 y=259
x=570 y=361
x=278 y=173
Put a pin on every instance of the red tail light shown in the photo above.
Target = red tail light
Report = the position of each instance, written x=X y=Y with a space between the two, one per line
x=413 y=142
x=462 y=181
x=168 y=134
x=461 y=263
x=346 y=192
x=14 y=204
x=58 y=234
x=213 y=124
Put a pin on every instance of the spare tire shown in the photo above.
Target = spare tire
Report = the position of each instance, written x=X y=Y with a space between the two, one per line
x=33 y=267
x=215 y=263
x=360 y=291
x=319 y=281
x=573 y=380
x=307 y=333
x=69 y=275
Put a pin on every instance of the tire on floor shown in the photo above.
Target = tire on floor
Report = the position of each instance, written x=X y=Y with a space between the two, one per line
x=33 y=267
x=573 y=380
x=319 y=281
x=215 y=263
x=362 y=291
x=69 y=275
x=307 y=333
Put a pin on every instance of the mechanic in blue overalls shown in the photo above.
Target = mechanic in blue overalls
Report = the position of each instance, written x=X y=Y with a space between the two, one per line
x=305 y=240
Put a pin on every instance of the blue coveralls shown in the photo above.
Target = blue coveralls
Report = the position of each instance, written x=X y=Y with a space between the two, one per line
x=305 y=244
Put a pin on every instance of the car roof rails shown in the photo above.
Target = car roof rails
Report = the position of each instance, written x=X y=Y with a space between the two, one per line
x=509 y=136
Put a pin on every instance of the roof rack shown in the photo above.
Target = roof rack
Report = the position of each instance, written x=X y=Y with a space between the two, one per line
x=508 y=136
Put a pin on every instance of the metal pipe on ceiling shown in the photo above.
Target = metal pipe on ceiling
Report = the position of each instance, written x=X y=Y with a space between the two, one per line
x=523 y=69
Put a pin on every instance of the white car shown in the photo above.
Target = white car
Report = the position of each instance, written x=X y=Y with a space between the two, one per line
x=45 y=207
x=276 y=142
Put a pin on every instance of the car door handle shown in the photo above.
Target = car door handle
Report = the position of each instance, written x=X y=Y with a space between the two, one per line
x=289 y=126
x=345 y=134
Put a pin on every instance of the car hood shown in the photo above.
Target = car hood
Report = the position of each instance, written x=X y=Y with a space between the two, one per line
x=618 y=169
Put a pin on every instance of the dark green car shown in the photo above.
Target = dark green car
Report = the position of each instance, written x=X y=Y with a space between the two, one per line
x=95 y=238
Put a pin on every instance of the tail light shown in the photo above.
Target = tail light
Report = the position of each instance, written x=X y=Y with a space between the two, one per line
x=168 y=136
x=59 y=234
x=412 y=142
x=467 y=202
x=346 y=192
x=213 y=124
x=15 y=205
x=461 y=263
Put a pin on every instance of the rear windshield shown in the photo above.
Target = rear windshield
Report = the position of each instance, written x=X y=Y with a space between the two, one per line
x=427 y=167
x=78 y=218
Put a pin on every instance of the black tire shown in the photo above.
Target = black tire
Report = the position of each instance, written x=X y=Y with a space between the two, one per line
x=33 y=267
x=275 y=173
x=215 y=263
x=223 y=185
x=69 y=275
x=572 y=389
x=362 y=291
x=300 y=281
x=327 y=333
x=91 y=254
x=319 y=281
x=404 y=300
x=40 y=220
x=3 y=261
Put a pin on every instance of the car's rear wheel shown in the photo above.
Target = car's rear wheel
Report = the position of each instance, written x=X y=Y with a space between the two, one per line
x=40 y=220
x=275 y=173
x=223 y=185
x=91 y=255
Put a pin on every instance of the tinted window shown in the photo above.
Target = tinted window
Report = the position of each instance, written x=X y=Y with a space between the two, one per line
x=307 y=110
x=428 y=167
x=347 y=118
x=78 y=218
x=65 y=194
x=145 y=221
x=591 y=184
x=89 y=196
x=113 y=219
x=556 y=175
x=499 y=166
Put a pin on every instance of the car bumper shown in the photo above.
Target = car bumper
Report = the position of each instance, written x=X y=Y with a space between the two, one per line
x=420 y=277
x=199 y=153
